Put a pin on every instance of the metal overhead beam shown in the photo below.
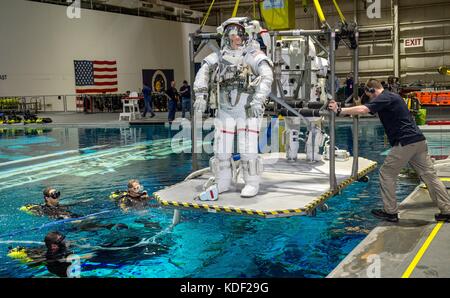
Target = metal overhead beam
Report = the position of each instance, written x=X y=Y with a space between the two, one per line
x=219 y=5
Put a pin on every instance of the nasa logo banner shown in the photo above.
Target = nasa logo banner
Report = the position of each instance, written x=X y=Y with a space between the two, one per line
x=157 y=79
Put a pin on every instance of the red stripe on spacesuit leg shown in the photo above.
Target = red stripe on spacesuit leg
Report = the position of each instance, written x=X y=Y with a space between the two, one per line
x=254 y=131
x=227 y=131
x=249 y=130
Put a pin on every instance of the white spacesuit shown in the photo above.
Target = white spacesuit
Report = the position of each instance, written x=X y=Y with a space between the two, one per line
x=294 y=52
x=237 y=80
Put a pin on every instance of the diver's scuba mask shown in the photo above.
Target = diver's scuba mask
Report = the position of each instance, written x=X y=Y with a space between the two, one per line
x=55 y=195
x=60 y=240
x=140 y=189
x=62 y=247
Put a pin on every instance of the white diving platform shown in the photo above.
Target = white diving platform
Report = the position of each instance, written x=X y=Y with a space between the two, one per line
x=288 y=188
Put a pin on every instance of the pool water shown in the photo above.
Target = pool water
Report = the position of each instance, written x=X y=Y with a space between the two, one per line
x=87 y=164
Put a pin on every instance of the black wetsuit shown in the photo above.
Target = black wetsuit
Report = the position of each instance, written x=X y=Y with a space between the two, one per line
x=138 y=202
x=56 y=262
x=56 y=212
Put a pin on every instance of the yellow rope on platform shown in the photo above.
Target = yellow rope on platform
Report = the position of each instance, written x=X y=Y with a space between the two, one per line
x=422 y=251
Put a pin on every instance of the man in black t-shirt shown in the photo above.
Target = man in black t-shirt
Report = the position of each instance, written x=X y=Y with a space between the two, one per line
x=185 y=92
x=408 y=145
x=173 y=96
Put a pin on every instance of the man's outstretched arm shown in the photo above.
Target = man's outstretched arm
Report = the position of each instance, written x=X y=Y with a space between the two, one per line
x=357 y=110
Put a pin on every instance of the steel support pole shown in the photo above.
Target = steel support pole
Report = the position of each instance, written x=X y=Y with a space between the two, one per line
x=300 y=32
x=396 y=46
x=276 y=59
x=332 y=118
x=307 y=79
x=192 y=112
x=355 y=127
x=65 y=103
x=176 y=217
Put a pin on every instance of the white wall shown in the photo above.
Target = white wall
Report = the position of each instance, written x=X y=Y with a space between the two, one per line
x=39 y=44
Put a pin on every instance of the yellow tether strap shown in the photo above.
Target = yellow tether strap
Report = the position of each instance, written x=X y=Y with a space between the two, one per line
x=319 y=11
x=235 y=9
x=339 y=12
x=207 y=14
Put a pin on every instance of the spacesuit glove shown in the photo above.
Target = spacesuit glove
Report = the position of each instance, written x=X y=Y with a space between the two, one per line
x=200 y=104
x=256 y=109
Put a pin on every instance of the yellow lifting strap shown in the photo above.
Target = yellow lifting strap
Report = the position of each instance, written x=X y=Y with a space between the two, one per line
x=339 y=12
x=235 y=9
x=207 y=15
x=319 y=11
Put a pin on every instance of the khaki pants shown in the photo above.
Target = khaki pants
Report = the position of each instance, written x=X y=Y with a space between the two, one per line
x=417 y=156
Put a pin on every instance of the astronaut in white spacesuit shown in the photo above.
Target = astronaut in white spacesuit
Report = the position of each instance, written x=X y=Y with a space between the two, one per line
x=237 y=81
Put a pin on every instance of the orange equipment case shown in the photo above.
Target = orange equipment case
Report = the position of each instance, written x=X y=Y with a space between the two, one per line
x=433 y=98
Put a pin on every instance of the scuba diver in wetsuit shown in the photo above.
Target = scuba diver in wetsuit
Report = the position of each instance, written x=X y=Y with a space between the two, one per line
x=135 y=197
x=57 y=252
x=53 y=255
x=51 y=207
x=54 y=210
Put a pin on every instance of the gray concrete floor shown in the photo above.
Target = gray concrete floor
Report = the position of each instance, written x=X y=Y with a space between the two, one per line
x=390 y=248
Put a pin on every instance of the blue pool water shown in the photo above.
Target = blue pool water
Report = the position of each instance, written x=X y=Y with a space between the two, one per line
x=90 y=163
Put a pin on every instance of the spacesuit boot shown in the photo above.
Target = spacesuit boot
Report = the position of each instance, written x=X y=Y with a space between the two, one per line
x=251 y=171
x=221 y=170
x=292 y=144
x=313 y=144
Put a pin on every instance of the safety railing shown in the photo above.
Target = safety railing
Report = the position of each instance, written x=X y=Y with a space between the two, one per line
x=89 y=103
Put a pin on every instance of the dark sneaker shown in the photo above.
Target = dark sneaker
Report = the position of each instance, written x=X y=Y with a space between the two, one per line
x=381 y=214
x=442 y=217
x=153 y=115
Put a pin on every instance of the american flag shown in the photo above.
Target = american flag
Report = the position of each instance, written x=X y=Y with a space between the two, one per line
x=95 y=76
